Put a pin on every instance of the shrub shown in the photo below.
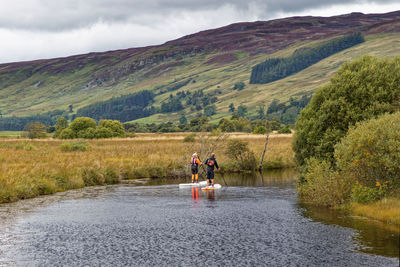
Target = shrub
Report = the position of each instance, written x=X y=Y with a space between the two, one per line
x=111 y=177
x=35 y=130
x=284 y=130
x=82 y=123
x=102 y=132
x=190 y=138
x=240 y=152
x=360 y=90
x=67 y=134
x=239 y=86
x=323 y=186
x=260 y=130
x=370 y=152
x=92 y=177
x=364 y=194
x=88 y=133
x=75 y=146
x=115 y=126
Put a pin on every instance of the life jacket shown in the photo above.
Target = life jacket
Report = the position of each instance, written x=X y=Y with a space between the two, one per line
x=210 y=162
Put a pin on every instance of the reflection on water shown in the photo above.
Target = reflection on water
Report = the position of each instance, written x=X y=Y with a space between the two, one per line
x=254 y=219
x=372 y=236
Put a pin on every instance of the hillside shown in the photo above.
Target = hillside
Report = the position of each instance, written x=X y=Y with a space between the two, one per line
x=212 y=61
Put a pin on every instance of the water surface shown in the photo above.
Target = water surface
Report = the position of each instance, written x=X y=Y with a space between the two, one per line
x=251 y=221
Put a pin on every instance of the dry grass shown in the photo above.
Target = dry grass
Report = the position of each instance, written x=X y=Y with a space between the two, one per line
x=386 y=210
x=36 y=167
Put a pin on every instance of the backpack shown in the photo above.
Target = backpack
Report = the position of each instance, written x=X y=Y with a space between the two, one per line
x=210 y=162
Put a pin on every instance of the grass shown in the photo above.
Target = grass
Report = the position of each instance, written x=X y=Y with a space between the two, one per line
x=386 y=210
x=37 y=167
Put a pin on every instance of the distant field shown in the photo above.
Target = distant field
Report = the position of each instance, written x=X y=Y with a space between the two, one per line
x=10 y=133
x=35 y=167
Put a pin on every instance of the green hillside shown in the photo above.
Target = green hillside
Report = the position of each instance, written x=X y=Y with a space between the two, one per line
x=30 y=88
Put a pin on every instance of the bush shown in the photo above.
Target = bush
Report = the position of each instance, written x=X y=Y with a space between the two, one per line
x=102 y=132
x=115 y=126
x=260 y=130
x=285 y=130
x=240 y=152
x=323 y=186
x=239 y=86
x=370 y=152
x=88 y=133
x=364 y=194
x=35 y=130
x=75 y=146
x=190 y=138
x=360 y=90
x=67 y=134
x=82 y=123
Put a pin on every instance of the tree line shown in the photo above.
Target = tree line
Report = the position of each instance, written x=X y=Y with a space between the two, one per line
x=278 y=68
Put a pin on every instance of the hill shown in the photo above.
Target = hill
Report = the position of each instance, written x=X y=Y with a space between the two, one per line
x=212 y=61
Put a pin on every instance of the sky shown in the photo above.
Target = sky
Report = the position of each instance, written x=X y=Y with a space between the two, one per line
x=37 y=29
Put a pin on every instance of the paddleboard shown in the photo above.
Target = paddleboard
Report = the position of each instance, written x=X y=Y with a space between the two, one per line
x=202 y=183
x=216 y=186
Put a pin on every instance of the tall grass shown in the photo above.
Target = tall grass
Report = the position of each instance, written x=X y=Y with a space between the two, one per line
x=35 y=167
x=386 y=210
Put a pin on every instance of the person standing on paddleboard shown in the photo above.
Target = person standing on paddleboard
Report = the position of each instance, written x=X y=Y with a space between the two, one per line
x=211 y=162
x=195 y=162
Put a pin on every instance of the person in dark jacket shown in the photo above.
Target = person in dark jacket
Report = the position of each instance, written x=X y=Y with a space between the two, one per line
x=211 y=163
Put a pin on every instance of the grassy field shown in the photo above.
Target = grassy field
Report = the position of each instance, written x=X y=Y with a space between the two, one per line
x=386 y=210
x=36 y=167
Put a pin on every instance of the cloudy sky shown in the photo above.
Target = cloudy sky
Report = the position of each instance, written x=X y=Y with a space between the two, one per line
x=35 y=29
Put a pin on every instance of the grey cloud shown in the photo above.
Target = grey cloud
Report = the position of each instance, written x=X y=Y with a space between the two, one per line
x=51 y=15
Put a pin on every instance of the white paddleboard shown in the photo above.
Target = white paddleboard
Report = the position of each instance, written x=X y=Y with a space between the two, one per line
x=202 y=183
x=216 y=186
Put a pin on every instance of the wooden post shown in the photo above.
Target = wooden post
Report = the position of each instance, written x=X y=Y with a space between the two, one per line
x=263 y=154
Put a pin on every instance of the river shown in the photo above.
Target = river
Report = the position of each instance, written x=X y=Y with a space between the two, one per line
x=251 y=221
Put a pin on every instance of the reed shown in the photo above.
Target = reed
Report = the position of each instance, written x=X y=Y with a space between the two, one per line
x=35 y=167
x=386 y=210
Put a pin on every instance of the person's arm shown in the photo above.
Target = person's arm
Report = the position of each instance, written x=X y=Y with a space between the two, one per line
x=216 y=165
x=198 y=162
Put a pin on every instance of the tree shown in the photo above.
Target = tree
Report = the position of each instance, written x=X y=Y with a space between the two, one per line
x=82 y=123
x=183 y=119
x=361 y=90
x=239 y=86
x=35 y=130
x=261 y=112
x=115 y=126
x=210 y=110
x=61 y=123
x=242 y=110
x=70 y=109
x=231 y=107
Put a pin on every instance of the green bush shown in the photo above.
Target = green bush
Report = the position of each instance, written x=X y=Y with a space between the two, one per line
x=115 y=126
x=240 y=152
x=88 y=133
x=35 y=130
x=102 y=132
x=360 y=90
x=260 y=130
x=239 y=86
x=67 y=134
x=323 y=186
x=284 y=130
x=75 y=146
x=82 y=123
x=364 y=194
x=370 y=152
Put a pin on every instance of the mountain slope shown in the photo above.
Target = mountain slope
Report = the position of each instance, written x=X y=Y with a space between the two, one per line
x=212 y=60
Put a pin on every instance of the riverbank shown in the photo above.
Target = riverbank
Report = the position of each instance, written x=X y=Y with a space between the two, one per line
x=30 y=168
x=386 y=210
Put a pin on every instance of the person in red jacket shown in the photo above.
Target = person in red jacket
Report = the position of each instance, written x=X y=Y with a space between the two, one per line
x=194 y=163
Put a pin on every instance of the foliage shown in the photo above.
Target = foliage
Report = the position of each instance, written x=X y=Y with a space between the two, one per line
x=61 y=123
x=287 y=112
x=278 y=68
x=323 y=186
x=240 y=152
x=183 y=119
x=242 y=110
x=285 y=130
x=260 y=130
x=370 y=152
x=359 y=91
x=103 y=132
x=18 y=123
x=35 y=130
x=115 y=126
x=74 y=146
x=67 y=134
x=88 y=133
x=123 y=108
x=364 y=194
x=210 y=110
x=190 y=138
x=231 y=107
x=239 y=86
x=82 y=123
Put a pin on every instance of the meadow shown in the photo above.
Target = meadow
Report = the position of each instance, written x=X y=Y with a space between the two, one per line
x=44 y=166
